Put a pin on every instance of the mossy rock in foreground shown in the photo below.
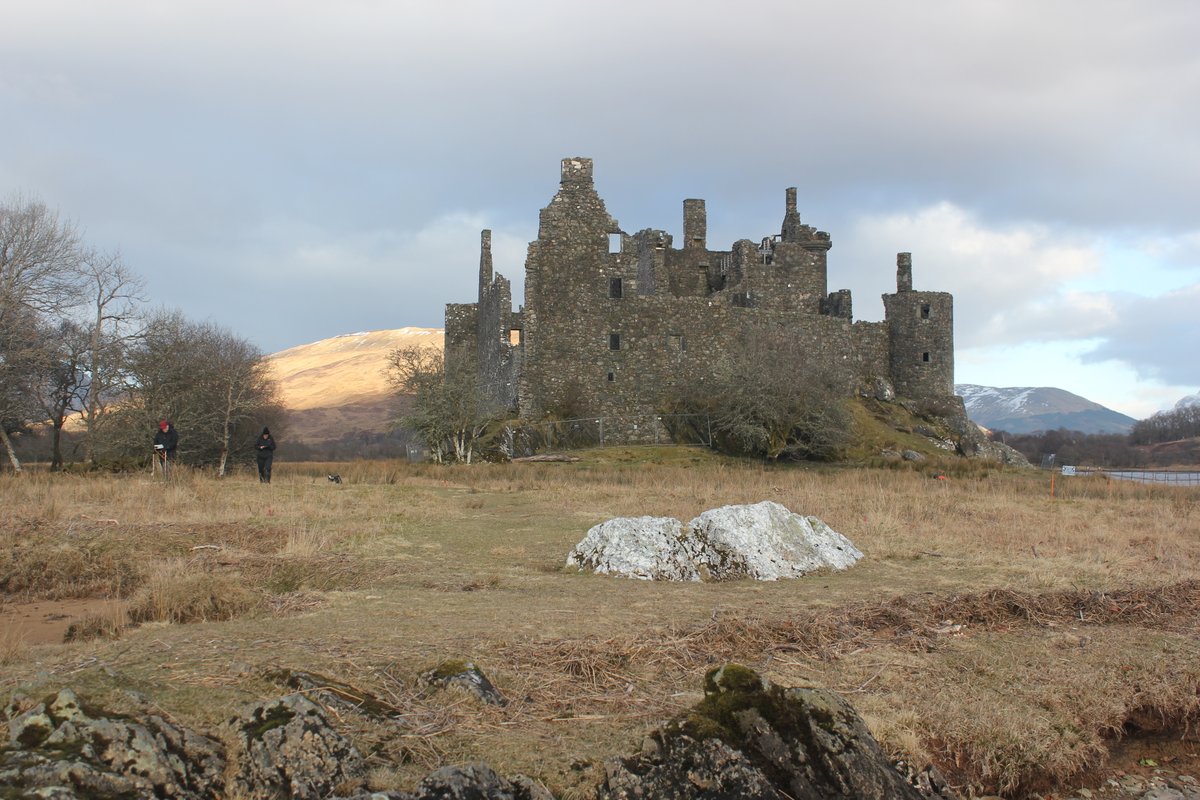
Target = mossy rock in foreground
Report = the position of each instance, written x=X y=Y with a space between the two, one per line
x=749 y=739
x=465 y=675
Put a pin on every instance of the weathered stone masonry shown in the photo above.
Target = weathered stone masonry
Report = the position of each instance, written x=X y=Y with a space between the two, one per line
x=613 y=321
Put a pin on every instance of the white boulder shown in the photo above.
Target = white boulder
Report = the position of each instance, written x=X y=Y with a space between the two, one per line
x=650 y=548
x=764 y=541
x=767 y=542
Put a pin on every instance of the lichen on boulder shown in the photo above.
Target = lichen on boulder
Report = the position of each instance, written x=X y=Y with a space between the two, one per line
x=61 y=748
x=289 y=749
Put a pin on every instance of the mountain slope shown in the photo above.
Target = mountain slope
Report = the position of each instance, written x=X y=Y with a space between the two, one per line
x=1030 y=409
x=337 y=386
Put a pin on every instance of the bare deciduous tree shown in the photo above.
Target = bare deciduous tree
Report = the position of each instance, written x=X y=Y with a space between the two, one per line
x=445 y=406
x=39 y=278
x=112 y=320
x=64 y=382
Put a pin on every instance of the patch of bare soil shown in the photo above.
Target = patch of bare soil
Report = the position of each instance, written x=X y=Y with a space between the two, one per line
x=46 y=621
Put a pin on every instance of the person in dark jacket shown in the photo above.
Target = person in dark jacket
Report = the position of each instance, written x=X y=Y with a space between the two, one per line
x=264 y=449
x=166 y=439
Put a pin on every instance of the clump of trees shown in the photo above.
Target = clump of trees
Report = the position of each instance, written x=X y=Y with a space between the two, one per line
x=769 y=400
x=1111 y=449
x=1167 y=426
x=76 y=341
x=1074 y=447
x=443 y=403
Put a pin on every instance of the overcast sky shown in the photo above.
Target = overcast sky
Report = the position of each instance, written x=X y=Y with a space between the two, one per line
x=298 y=170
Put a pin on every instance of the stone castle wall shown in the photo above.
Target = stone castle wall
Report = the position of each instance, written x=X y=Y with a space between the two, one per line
x=618 y=324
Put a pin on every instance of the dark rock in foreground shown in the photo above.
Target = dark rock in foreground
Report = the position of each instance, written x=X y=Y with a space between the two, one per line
x=748 y=739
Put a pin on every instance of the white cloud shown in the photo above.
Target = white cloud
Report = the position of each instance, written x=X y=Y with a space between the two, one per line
x=1010 y=283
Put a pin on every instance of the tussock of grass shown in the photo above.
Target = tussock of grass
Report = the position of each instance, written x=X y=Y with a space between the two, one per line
x=13 y=646
x=172 y=593
x=41 y=566
x=110 y=624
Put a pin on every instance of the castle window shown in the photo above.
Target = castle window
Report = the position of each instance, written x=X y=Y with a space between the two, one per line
x=925 y=311
x=514 y=337
x=676 y=342
x=615 y=290
x=614 y=341
x=925 y=357
x=612 y=376
x=614 y=243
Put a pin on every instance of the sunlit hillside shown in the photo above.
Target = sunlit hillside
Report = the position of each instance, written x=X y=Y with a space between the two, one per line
x=336 y=386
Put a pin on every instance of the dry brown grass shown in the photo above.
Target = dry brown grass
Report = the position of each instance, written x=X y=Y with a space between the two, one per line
x=1004 y=634
x=13 y=646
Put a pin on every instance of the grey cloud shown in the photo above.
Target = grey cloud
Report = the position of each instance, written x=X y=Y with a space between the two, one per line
x=1157 y=337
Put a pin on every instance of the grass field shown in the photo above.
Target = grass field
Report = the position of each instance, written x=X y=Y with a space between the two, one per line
x=1006 y=635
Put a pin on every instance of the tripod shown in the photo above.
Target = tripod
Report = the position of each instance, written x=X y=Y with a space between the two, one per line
x=164 y=461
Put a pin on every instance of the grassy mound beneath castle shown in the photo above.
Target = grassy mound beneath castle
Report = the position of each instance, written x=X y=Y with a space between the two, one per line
x=1006 y=635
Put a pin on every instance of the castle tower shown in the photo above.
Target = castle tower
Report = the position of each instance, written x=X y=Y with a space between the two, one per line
x=920 y=337
x=577 y=285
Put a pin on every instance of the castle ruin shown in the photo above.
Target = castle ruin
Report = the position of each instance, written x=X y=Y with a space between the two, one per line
x=613 y=321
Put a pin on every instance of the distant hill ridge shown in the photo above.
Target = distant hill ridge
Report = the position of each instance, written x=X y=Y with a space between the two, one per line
x=1029 y=409
x=337 y=385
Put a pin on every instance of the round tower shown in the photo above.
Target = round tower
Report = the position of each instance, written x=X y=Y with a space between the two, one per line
x=920 y=337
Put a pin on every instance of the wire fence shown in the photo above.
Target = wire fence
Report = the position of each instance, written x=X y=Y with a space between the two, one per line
x=1171 y=477
x=1151 y=476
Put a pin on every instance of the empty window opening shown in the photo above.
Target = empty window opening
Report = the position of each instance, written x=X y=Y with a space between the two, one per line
x=612 y=376
x=925 y=357
x=615 y=289
x=676 y=342
x=614 y=243
x=514 y=337
x=614 y=341
x=925 y=311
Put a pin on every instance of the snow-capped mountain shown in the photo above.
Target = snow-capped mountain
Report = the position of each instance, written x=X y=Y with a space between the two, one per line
x=1030 y=409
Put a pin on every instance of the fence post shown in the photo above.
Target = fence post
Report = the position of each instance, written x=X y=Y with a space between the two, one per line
x=601 y=423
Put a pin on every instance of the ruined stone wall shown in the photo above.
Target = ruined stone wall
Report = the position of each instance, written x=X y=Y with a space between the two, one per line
x=497 y=369
x=461 y=333
x=870 y=350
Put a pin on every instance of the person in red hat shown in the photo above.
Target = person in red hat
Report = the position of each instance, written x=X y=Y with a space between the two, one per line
x=166 y=439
